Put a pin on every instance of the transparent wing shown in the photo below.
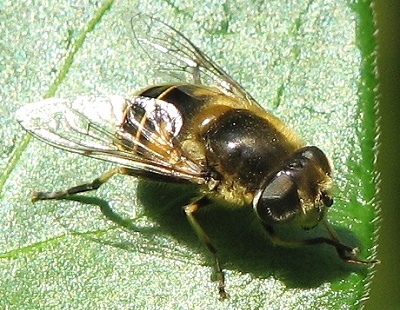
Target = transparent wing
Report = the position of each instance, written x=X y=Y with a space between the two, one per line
x=175 y=55
x=139 y=133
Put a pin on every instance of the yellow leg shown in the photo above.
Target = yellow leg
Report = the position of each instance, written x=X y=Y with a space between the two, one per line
x=190 y=210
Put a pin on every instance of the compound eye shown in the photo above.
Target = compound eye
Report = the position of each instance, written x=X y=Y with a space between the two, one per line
x=327 y=201
x=279 y=201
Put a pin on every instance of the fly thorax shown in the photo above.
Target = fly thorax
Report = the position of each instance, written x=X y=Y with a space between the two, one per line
x=244 y=148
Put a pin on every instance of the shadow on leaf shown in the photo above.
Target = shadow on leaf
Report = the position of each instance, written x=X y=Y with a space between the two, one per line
x=236 y=233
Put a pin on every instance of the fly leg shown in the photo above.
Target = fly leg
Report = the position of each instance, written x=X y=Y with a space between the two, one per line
x=342 y=251
x=95 y=184
x=334 y=241
x=190 y=209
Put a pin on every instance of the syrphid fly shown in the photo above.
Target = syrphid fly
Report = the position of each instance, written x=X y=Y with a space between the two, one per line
x=205 y=130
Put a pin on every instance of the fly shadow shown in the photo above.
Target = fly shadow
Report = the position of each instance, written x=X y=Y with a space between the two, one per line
x=236 y=233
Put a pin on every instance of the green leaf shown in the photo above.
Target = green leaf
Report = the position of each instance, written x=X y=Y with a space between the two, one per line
x=128 y=244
